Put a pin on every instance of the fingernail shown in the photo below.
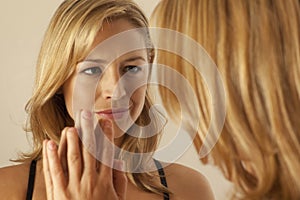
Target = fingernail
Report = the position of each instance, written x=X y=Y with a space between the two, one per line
x=51 y=145
x=86 y=114
x=71 y=130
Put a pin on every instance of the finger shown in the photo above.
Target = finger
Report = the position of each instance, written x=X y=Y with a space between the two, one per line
x=62 y=151
x=46 y=170
x=107 y=147
x=55 y=168
x=89 y=144
x=120 y=179
x=74 y=156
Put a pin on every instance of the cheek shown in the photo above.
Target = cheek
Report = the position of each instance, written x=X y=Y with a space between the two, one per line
x=68 y=96
x=138 y=97
x=79 y=94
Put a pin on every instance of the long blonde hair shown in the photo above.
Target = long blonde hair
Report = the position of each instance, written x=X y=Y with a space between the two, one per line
x=68 y=40
x=256 y=46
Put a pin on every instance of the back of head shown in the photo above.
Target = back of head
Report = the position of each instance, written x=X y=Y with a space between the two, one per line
x=256 y=46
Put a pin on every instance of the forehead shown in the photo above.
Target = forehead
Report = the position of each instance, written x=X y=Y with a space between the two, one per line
x=112 y=28
x=117 y=38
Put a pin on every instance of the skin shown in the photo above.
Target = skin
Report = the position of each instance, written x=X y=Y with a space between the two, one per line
x=133 y=64
x=71 y=172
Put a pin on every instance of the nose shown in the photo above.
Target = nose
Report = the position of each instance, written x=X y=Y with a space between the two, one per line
x=110 y=86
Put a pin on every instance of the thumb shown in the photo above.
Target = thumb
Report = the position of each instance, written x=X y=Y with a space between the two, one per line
x=106 y=126
x=106 y=148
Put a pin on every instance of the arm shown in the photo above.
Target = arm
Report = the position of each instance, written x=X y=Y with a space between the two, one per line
x=13 y=181
x=187 y=183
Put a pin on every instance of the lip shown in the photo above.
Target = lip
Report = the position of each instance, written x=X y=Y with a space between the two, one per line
x=116 y=113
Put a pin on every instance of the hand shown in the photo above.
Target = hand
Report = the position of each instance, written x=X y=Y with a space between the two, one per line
x=72 y=172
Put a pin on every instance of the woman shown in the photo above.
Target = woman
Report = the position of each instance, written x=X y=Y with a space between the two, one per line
x=256 y=47
x=86 y=85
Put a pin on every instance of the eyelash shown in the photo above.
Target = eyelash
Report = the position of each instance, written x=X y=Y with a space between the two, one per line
x=97 y=70
x=129 y=68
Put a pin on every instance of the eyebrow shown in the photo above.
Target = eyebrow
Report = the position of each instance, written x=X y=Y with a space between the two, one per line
x=126 y=60
x=135 y=58
x=94 y=60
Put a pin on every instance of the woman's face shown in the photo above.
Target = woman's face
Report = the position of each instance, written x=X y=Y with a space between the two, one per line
x=108 y=82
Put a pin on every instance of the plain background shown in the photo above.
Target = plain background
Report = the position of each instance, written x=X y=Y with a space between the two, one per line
x=23 y=24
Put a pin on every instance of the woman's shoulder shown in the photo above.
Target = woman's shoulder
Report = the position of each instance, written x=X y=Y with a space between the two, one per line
x=187 y=183
x=13 y=184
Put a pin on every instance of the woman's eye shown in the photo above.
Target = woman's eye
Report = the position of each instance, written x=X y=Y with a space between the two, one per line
x=92 y=71
x=132 y=69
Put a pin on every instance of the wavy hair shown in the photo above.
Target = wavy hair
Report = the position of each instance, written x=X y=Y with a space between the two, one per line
x=256 y=46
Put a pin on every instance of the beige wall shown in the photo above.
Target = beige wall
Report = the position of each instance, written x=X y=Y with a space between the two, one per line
x=22 y=26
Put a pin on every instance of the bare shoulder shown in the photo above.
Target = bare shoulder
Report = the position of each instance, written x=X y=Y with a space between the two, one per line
x=187 y=183
x=13 y=184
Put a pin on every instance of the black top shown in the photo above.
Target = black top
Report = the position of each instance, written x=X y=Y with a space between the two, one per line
x=32 y=170
x=163 y=179
x=31 y=180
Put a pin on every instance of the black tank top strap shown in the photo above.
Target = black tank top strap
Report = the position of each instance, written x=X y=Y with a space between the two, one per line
x=162 y=176
x=31 y=178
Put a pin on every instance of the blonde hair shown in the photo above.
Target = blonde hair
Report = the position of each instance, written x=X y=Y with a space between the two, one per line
x=67 y=41
x=256 y=46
